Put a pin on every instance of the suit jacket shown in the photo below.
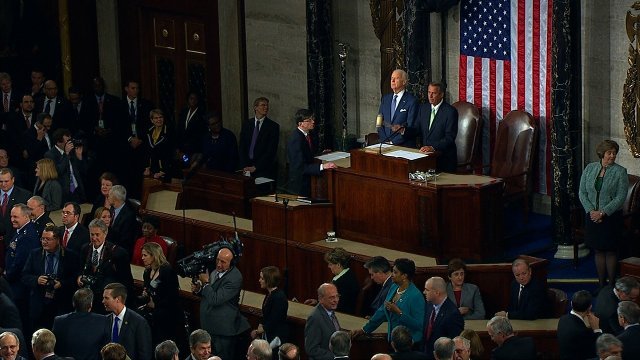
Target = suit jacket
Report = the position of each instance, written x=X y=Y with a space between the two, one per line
x=615 y=185
x=406 y=112
x=317 y=332
x=381 y=296
x=448 y=322
x=67 y=272
x=160 y=154
x=80 y=119
x=630 y=343
x=17 y=253
x=141 y=120
x=123 y=230
x=9 y=314
x=51 y=192
x=188 y=140
x=409 y=355
x=41 y=222
x=222 y=153
x=521 y=348
x=79 y=238
x=219 y=311
x=61 y=110
x=469 y=297
x=575 y=339
x=135 y=335
x=348 y=288
x=35 y=148
x=62 y=161
x=606 y=308
x=411 y=303
x=80 y=335
x=265 y=150
x=274 y=316
x=166 y=314
x=301 y=163
x=532 y=303
x=18 y=196
x=441 y=135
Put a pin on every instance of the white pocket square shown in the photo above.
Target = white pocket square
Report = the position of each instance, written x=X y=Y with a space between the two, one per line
x=403 y=110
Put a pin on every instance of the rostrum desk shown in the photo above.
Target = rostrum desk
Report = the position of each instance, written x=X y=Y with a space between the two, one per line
x=375 y=203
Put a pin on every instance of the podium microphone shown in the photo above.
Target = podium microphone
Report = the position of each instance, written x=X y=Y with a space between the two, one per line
x=403 y=126
x=379 y=120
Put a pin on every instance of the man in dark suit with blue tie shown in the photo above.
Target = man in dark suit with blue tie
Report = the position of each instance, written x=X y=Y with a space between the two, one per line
x=301 y=148
x=126 y=327
x=380 y=272
x=259 y=147
x=398 y=110
x=81 y=334
x=322 y=323
x=437 y=126
x=442 y=317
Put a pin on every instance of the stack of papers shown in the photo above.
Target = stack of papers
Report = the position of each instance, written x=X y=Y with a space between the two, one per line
x=333 y=156
x=409 y=155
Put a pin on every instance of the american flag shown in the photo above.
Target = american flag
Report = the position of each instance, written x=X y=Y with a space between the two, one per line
x=505 y=64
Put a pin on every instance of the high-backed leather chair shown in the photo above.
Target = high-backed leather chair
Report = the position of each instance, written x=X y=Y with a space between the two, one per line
x=469 y=135
x=172 y=248
x=513 y=156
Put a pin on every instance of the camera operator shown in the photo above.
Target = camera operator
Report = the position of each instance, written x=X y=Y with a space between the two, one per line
x=50 y=274
x=103 y=263
x=219 y=312
x=71 y=164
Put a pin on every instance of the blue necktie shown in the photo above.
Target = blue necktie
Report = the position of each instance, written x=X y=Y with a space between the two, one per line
x=254 y=137
x=50 y=269
x=393 y=105
x=114 y=335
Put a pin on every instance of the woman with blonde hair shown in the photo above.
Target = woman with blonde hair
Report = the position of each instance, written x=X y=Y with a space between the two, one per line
x=160 y=294
x=477 y=350
x=47 y=185
x=103 y=214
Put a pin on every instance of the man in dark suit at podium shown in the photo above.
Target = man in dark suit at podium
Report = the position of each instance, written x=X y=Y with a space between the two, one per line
x=259 y=142
x=398 y=109
x=437 y=124
x=301 y=147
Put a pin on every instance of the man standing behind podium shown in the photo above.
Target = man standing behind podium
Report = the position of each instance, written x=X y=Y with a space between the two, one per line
x=259 y=142
x=301 y=147
x=437 y=124
x=398 y=109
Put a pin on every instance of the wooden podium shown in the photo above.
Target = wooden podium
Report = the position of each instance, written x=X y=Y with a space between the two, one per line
x=305 y=223
x=371 y=161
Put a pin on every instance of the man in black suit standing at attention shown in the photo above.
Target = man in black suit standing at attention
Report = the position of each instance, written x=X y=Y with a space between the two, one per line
x=510 y=346
x=437 y=124
x=528 y=295
x=81 y=334
x=322 y=323
x=442 y=317
x=301 y=148
x=43 y=344
x=126 y=327
x=75 y=234
x=629 y=318
x=9 y=196
x=575 y=339
x=259 y=142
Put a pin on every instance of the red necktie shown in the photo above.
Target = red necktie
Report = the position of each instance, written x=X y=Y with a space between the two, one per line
x=5 y=200
x=65 y=239
x=432 y=320
x=309 y=142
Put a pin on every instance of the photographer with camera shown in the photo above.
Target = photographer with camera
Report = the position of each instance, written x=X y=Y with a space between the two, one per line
x=50 y=274
x=103 y=263
x=71 y=164
x=219 y=311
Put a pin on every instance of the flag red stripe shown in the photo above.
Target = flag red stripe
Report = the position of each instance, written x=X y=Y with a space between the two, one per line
x=477 y=80
x=548 y=94
x=462 y=87
x=521 y=55
x=492 y=103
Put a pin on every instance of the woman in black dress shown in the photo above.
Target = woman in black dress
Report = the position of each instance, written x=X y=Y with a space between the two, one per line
x=344 y=279
x=161 y=148
x=274 y=308
x=160 y=294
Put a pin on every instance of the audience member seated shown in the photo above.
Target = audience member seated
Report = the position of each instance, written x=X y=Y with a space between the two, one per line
x=462 y=348
x=344 y=279
x=442 y=318
x=510 y=346
x=288 y=351
x=528 y=295
x=104 y=214
x=160 y=144
x=380 y=273
x=578 y=330
x=150 y=226
x=259 y=349
x=402 y=344
x=124 y=228
x=47 y=185
x=466 y=296
x=625 y=288
x=607 y=346
x=160 y=295
x=477 y=350
x=629 y=318
x=274 y=308
x=404 y=304
x=10 y=346
x=107 y=180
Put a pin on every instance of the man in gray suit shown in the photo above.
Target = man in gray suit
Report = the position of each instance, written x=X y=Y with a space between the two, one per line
x=322 y=323
x=219 y=312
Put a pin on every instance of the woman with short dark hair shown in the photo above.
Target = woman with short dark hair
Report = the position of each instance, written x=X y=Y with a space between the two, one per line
x=274 y=308
x=466 y=296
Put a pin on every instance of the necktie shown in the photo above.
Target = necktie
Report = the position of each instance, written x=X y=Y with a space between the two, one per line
x=520 y=292
x=5 y=102
x=50 y=269
x=100 y=108
x=5 y=200
x=112 y=210
x=132 y=110
x=394 y=104
x=65 y=239
x=47 y=108
x=432 y=320
x=94 y=258
x=433 y=116
x=334 y=319
x=115 y=336
x=256 y=129
x=309 y=142
x=73 y=182
x=27 y=121
x=76 y=108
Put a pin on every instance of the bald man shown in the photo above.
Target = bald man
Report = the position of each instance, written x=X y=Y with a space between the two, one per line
x=442 y=315
x=219 y=312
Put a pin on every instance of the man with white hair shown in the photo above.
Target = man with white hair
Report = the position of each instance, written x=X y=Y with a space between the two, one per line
x=462 y=349
x=510 y=346
x=123 y=229
x=259 y=350
x=10 y=346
